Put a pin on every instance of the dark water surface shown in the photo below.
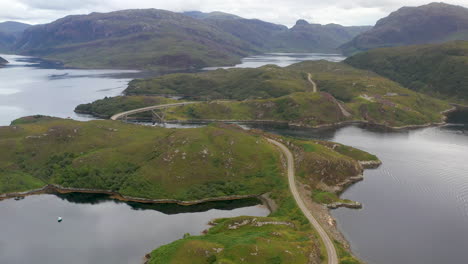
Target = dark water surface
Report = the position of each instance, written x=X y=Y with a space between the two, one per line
x=96 y=229
x=416 y=204
x=28 y=88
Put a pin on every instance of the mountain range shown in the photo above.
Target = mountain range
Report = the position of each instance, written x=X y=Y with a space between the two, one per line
x=159 y=39
x=432 y=23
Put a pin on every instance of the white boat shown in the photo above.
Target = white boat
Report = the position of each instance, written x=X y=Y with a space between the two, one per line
x=59 y=219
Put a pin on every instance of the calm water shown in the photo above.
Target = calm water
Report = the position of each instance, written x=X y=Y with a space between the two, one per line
x=26 y=88
x=98 y=230
x=282 y=59
x=416 y=204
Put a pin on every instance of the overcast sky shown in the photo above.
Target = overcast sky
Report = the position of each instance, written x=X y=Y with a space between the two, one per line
x=286 y=12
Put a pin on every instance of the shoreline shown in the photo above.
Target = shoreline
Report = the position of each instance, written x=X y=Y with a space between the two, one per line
x=51 y=188
x=288 y=124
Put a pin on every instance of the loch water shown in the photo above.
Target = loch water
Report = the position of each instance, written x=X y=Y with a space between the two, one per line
x=97 y=229
x=415 y=206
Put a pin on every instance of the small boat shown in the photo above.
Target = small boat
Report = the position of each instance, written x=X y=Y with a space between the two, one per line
x=59 y=219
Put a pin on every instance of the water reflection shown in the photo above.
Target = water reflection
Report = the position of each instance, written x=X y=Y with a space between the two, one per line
x=415 y=204
x=96 y=229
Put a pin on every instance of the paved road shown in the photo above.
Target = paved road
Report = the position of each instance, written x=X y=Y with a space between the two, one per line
x=309 y=76
x=331 y=251
x=149 y=108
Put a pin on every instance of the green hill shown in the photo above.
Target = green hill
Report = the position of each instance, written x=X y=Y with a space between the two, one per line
x=440 y=70
x=239 y=84
x=272 y=93
x=431 y=23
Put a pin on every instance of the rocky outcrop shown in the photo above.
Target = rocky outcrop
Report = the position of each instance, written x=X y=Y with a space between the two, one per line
x=3 y=61
x=346 y=204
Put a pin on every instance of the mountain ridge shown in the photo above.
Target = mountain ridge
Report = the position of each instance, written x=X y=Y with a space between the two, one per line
x=431 y=23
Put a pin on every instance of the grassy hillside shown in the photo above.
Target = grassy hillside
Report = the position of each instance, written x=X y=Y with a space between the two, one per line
x=431 y=23
x=345 y=94
x=439 y=69
x=183 y=164
x=238 y=84
x=137 y=161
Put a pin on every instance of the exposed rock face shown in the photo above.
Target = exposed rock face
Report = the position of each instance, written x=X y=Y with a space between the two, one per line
x=3 y=61
x=432 y=23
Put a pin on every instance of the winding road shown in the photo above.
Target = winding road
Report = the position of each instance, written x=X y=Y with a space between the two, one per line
x=331 y=251
x=309 y=76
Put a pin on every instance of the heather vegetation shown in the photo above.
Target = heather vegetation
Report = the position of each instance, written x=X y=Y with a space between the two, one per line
x=272 y=93
x=440 y=70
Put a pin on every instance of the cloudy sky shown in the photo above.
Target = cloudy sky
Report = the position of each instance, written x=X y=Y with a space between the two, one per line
x=345 y=12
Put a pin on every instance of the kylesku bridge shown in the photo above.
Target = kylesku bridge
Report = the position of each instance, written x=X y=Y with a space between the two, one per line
x=158 y=111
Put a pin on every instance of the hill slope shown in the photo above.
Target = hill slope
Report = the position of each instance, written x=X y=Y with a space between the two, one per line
x=9 y=33
x=305 y=37
x=432 y=23
x=436 y=69
x=270 y=37
x=142 y=39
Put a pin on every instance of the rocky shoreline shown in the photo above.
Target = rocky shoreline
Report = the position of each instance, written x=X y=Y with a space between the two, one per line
x=291 y=125
x=51 y=188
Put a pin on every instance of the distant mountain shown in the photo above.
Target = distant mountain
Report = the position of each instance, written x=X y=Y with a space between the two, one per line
x=305 y=37
x=167 y=41
x=256 y=32
x=269 y=37
x=13 y=27
x=437 y=69
x=432 y=23
x=9 y=33
x=147 y=38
